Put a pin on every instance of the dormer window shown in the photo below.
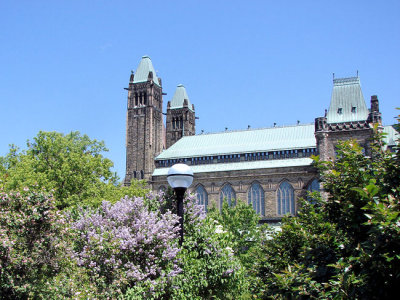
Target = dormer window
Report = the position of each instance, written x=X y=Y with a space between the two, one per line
x=354 y=109
x=340 y=111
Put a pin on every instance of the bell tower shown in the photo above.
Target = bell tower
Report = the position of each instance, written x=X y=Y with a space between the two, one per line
x=144 y=122
x=180 y=116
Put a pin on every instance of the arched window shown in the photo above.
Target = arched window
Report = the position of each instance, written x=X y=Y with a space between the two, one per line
x=313 y=186
x=141 y=174
x=134 y=174
x=256 y=198
x=228 y=194
x=202 y=196
x=285 y=199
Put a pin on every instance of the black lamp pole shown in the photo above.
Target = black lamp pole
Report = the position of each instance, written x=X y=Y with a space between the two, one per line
x=180 y=192
x=180 y=177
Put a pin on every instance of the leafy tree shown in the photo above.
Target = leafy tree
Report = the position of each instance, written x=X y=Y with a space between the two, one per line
x=210 y=269
x=70 y=166
x=247 y=235
x=347 y=246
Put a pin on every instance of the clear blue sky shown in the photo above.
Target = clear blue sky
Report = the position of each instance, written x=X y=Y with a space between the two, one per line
x=64 y=64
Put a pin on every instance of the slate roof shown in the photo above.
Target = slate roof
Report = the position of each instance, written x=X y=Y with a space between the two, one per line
x=246 y=165
x=347 y=102
x=178 y=98
x=142 y=71
x=244 y=141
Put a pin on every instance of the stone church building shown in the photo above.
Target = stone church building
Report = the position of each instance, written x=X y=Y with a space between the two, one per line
x=270 y=168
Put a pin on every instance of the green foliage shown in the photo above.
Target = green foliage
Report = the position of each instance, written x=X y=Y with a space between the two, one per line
x=247 y=236
x=70 y=166
x=210 y=269
x=347 y=246
x=30 y=243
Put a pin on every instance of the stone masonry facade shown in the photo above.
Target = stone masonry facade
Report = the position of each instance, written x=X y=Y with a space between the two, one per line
x=147 y=137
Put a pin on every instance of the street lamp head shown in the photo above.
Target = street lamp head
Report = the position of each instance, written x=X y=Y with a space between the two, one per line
x=180 y=176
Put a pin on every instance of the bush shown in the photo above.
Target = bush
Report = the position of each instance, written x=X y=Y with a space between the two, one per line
x=127 y=244
x=30 y=244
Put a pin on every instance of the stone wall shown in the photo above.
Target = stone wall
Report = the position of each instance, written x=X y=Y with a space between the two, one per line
x=241 y=181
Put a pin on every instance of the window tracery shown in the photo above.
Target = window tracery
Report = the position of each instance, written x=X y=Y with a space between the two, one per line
x=285 y=199
x=256 y=198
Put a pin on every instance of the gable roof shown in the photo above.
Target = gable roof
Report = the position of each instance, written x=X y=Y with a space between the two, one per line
x=143 y=70
x=244 y=141
x=179 y=97
x=347 y=102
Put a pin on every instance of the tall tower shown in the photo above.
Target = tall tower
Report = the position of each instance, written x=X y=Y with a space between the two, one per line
x=144 y=122
x=180 y=116
x=347 y=118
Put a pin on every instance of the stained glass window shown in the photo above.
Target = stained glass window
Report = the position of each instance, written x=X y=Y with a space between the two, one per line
x=285 y=199
x=256 y=198
x=202 y=196
x=228 y=194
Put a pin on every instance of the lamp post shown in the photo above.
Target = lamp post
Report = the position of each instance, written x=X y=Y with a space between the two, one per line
x=180 y=177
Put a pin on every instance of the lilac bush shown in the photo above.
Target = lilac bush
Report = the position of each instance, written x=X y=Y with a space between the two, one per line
x=30 y=244
x=128 y=243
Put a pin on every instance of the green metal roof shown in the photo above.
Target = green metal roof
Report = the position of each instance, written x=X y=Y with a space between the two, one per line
x=179 y=96
x=143 y=70
x=347 y=102
x=392 y=136
x=245 y=141
x=248 y=165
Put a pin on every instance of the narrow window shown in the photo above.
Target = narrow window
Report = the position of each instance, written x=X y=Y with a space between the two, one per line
x=202 y=196
x=354 y=109
x=285 y=199
x=313 y=187
x=256 y=198
x=228 y=194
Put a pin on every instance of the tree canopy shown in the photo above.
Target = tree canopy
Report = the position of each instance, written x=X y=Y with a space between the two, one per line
x=70 y=166
x=348 y=245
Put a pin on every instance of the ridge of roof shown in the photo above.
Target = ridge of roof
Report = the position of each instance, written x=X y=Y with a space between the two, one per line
x=255 y=129
x=143 y=70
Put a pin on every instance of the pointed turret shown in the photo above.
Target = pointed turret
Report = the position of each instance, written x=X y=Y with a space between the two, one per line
x=347 y=102
x=178 y=100
x=180 y=116
x=145 y=71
